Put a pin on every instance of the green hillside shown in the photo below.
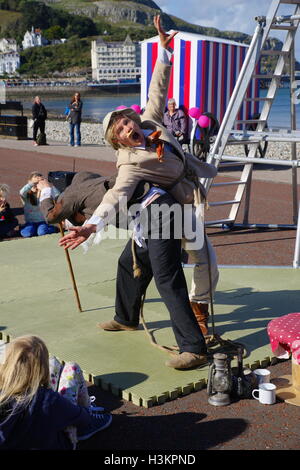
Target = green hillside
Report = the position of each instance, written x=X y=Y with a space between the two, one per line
x=8 y=18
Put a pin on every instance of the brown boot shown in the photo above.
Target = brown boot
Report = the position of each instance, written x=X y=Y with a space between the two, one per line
x=201 y=314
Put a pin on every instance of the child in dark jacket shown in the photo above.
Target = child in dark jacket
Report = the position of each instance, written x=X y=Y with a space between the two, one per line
x=8 y=221
x=32 y=414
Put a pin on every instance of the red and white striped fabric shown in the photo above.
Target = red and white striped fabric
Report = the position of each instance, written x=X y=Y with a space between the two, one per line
x=205 y=70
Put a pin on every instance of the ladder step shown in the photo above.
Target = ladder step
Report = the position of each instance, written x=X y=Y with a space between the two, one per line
x=267 y=75
x=274 y=52
x=283 y=27
x=224 y=203
x=228 y=164
x=229 y=183
x=242 y=142
x=220 y=221
x=291 y=2
x=265 y=98
x=251 y=121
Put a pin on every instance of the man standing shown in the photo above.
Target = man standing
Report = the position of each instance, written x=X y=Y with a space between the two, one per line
x=39 y=116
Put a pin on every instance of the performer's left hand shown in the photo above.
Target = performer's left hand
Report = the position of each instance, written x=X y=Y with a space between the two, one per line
x=77 y=236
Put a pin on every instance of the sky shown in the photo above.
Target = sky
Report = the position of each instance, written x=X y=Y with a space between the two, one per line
x=226 y=15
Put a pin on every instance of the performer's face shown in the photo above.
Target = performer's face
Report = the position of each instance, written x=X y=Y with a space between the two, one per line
x=128 y=133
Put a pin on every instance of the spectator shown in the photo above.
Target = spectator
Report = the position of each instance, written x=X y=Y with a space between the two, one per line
x=39 y=115
x=75 y=119
x=35 y=223
x=8 y=221
x=176 y=122
x=33 y=415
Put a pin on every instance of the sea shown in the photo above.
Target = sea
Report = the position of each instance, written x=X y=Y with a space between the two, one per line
x=96 y=107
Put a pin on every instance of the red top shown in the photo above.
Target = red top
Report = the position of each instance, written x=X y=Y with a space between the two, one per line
x=284 y=334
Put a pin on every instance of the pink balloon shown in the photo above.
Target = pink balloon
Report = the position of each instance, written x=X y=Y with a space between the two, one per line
x=203 y=121
x=121 y=107
x=195 y=113
x=136 y=108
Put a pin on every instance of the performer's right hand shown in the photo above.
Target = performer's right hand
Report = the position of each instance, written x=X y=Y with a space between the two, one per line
x=164 y=38
x=77 y=236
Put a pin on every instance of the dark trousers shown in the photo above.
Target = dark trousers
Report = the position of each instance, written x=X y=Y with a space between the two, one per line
x=161 y=260
x=38 y=124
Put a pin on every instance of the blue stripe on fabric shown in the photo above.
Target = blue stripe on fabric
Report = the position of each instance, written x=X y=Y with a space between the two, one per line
x=181 y=75
x=198 y=73
x=207 y=65
x=149 y=65
x=225 y=60
x=216 y=84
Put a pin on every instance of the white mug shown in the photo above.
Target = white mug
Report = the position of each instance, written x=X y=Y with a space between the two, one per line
x=262 y=376
x=266 y=394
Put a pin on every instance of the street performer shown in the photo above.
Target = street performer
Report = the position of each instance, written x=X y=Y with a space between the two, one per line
x=147 y=151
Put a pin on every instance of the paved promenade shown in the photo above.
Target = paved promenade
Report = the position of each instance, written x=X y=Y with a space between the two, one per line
x=187 y=423
x=274 y=173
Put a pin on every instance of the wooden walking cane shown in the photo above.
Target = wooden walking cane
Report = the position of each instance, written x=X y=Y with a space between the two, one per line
x=71 y=270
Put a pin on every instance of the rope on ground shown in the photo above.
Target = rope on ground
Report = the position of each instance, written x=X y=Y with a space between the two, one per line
x=167 y=349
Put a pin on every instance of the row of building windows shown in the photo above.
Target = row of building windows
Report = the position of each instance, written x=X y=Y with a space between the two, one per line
x=117 y=49
x=101 y=71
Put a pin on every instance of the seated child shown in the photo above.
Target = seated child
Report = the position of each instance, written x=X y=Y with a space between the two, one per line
x=35 y=223
x=8 y=221
x=44 y=404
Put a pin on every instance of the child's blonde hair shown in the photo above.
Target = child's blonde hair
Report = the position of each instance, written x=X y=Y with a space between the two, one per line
x=4 y=190
x=25 y=369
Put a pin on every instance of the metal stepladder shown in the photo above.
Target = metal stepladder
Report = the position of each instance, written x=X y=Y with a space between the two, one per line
x=228 y=134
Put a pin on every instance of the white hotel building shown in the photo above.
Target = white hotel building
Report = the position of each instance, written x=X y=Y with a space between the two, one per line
x=116 y=60
x=9 y=56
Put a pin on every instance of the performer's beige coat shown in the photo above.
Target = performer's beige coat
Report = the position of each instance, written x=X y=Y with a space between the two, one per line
x=135 y=165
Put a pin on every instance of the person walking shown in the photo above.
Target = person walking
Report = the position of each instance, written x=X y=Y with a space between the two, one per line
x=39 y=116
x=75 y=119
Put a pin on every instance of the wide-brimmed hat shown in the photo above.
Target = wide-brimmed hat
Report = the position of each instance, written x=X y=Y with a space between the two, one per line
x=129 y=112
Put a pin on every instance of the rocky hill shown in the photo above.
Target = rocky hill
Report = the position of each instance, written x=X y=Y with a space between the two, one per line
x=112 y=19
x=139 y=13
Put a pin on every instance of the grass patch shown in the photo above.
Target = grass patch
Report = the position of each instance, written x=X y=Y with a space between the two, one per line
x=7 y=17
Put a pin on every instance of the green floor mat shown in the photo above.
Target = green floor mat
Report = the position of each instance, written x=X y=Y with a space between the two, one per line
x=38 y=298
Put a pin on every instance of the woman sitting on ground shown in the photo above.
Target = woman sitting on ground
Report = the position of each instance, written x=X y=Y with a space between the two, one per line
x=35 y=416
